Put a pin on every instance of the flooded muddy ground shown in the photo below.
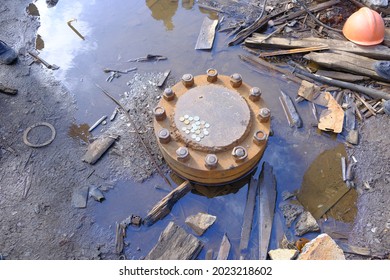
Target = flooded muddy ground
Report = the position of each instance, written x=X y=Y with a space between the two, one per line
x=37 y=184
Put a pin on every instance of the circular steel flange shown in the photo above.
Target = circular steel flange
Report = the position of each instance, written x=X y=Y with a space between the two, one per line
x=212 y=117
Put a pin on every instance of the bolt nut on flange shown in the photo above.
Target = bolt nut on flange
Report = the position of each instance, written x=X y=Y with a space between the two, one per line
x=164 y=136
x=212 y=75
x=187 y=80
x=211 y=161
x=182 y=153
x=236 y=80
x=169 y=95
x=239 y=153
x=159 y=113
x=264 y=115
x=259 y=137
x=255 y=94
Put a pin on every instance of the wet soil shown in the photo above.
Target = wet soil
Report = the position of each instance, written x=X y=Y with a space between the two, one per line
x=37 y=220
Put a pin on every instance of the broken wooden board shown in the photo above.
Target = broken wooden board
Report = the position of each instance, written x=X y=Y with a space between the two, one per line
x=248 y=215
x=342 y=76
x=378 y=52
x=98 y=147
x=347 y=62
x=162 y=208
x=206 y=35
x=175 y=244
x=224 y=250
x=161 y=82
x=332 y=118
x=80 y=197
x=289 y=109
x=267 y=200
x=294 y=51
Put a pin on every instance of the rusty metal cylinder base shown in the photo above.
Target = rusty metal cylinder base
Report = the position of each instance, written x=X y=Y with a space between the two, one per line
x=214 y=128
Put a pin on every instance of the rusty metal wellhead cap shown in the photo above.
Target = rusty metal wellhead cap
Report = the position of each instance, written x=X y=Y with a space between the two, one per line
x=212 y=129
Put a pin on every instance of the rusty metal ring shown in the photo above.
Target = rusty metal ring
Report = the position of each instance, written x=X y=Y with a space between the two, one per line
x=28 y=129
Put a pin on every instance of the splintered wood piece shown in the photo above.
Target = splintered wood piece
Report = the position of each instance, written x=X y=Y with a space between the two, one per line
x=224 y=250
x=267 y=200
x=7 y=90
x=248 y=214
x=175 y=244
x=206 y=35
x=290 y=110
x=162 y=208
x=293 y=51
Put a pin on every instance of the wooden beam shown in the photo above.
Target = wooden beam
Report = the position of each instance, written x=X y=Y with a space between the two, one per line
x=347 y=62
x=378 y=52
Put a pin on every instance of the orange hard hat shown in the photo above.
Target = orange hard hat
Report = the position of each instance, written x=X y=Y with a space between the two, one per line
x=365 y=27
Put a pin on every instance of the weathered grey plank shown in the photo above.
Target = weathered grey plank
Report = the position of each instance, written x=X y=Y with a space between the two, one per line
x=164 y=206
x=267 y=200
x=206 y=35
x=175 y=244
x=248 y=215
x=378 y=52
x=224 y=250
x=347 y=62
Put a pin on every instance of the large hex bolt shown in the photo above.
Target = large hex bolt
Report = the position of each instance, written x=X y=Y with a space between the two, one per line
x=182 y=153
x=236 y=80
x=259 y=137
x=211 y=161
x=239 y=153
x=255 y=94
x=159 y=113
x=187 y=80
x=164 y=136
x=264 y=115
x=212 y=75
x=169 y=95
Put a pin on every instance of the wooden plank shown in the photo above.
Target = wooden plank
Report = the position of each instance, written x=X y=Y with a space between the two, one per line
x=248 y=215
x=378 y=52
x=342 y=76
x=175 y=244
x=206 y=35
x=224 y=250
x=267 y=199
x=346 y=62
x=289 y=109
x=164 y=206
x=294 y=51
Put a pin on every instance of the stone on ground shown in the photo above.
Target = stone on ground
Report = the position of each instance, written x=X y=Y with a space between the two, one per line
x=283 y=254
x=200 y=222
x=323 y=247
x=306 y=223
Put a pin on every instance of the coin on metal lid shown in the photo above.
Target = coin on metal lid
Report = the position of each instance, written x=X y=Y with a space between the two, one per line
x=207 y=125
x=181 y=119
x=187 y=122
x=184 y=128
x=193 y=136
x=186 y=116
x=190 y=119
x=197 y=139
x=196 y=118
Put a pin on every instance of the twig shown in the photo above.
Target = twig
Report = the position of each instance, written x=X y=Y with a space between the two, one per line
x=138 y=133
x=74 y=29
x=273 y=33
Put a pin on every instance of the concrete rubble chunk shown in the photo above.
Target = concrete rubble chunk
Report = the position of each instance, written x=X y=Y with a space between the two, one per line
x=200 y=222
x=323 y=247
x=306 y=223
x=290 y=211
x=283 y=254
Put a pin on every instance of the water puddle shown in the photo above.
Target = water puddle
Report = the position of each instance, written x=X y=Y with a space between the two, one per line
x=117 y=32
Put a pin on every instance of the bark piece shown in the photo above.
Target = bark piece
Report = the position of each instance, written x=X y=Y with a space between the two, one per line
x=98 y=147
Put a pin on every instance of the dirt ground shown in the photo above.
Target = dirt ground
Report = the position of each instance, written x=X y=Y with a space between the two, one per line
x=37 y=220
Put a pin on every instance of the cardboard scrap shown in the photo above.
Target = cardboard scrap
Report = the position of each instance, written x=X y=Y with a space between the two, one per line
x=332 y=118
